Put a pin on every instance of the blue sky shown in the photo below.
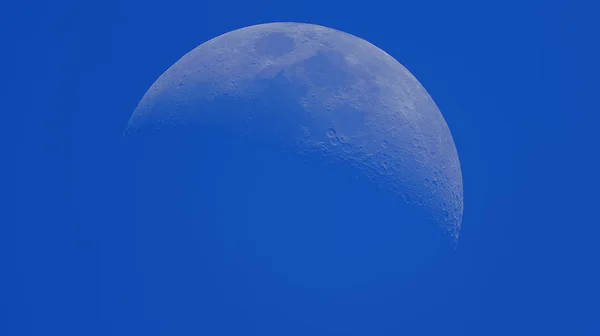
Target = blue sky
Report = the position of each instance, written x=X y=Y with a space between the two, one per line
x=515 y=80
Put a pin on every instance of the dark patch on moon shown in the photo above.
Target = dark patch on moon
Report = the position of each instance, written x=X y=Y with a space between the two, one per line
x=348 y=121
x=324 y=69
x=275 y=45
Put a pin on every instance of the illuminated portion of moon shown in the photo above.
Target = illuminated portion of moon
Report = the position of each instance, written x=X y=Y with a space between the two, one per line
x=343 y=98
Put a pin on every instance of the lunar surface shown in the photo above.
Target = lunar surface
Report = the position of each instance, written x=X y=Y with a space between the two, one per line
x=324 y=93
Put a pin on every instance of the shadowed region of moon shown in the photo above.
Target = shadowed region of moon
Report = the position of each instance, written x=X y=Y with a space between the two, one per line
x=291 y=165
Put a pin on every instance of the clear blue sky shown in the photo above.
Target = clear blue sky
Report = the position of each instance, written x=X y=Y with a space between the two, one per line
x=515 y=80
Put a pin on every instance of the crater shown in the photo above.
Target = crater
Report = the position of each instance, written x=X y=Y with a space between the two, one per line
x=275 y=45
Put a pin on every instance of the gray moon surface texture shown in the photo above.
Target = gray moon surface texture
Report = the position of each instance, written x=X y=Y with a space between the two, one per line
x=348 y=101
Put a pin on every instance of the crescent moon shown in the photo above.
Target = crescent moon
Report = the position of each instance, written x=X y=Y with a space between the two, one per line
x=330 y=93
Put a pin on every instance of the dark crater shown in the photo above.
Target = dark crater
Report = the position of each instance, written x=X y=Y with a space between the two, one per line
x=275 y=45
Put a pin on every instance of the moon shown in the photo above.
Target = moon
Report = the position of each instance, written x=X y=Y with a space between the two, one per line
x=316 y=91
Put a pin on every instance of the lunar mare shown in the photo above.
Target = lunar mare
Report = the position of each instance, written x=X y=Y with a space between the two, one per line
x=350 y=102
